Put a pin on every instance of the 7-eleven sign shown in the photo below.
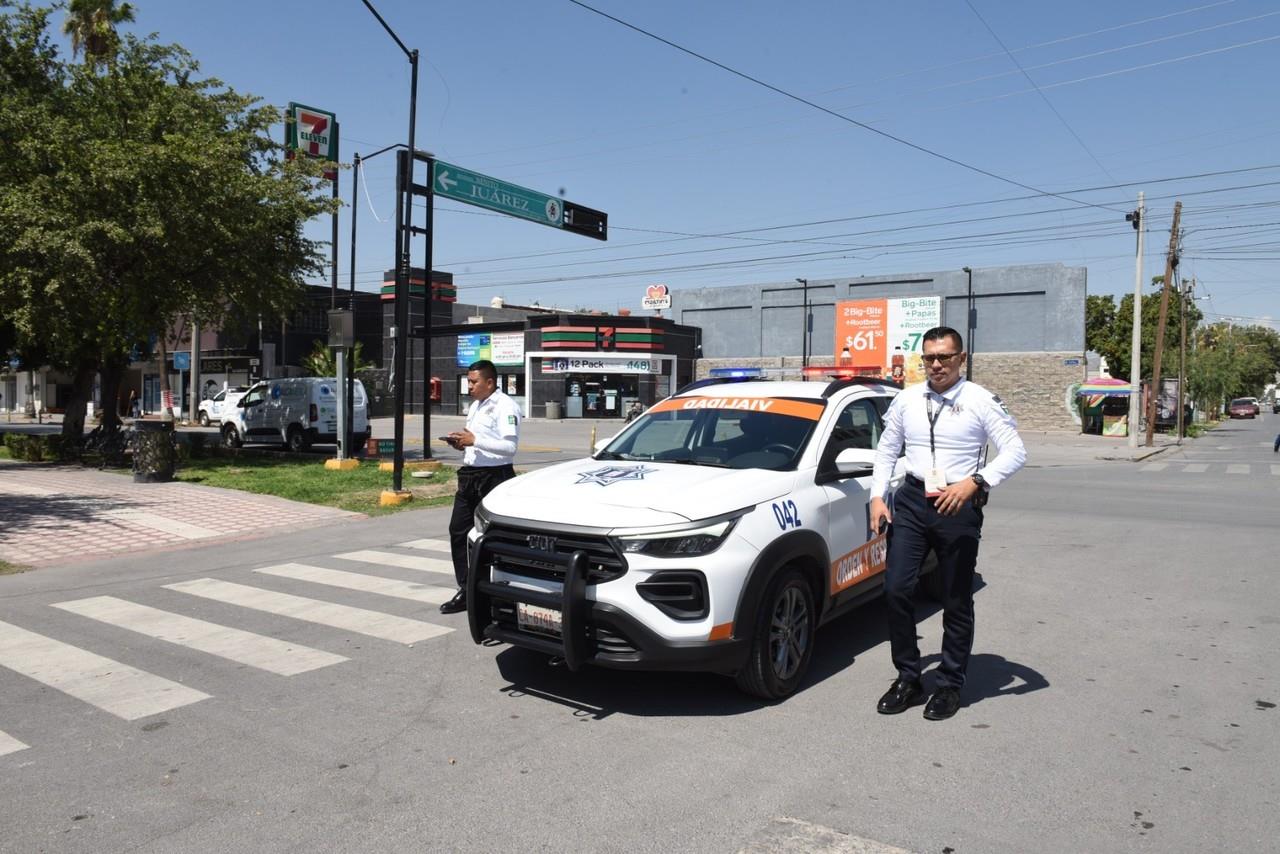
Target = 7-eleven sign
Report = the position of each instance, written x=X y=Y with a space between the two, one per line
x=313 y=133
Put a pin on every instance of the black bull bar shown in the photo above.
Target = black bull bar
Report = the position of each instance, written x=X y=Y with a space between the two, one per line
x=571 y=601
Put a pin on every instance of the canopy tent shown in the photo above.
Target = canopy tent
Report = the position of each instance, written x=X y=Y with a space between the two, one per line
x=1097 y=417
x=1104 y=385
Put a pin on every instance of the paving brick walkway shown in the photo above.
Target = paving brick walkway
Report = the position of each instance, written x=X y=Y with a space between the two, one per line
x=57 y=514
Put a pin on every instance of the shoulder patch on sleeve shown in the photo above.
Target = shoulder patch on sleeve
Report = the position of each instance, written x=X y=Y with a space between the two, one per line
x=511 y=419
x=995 y=398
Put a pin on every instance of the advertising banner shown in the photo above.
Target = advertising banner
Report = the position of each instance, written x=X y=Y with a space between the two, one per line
x=881 y=337
x=504 y=349
x=598 y=365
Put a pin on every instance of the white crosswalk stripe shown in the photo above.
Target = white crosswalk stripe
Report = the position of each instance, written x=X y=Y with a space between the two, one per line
x=424 y=564
x=9 y=744
x=124 y=691
x=427 y=545
x=1237 y=468
x=1275 y=470
x=264 y=653
x=1196 y=468
x=1155 y=467
x=359 y=620
x=356 y=581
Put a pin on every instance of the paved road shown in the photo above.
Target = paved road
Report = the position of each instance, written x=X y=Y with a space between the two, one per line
x=301 y=692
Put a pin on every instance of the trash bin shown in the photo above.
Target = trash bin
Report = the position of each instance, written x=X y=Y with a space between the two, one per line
x=154 y=455
x=553 y=409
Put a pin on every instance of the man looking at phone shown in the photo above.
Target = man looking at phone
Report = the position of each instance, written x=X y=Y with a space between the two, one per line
x=945 y=425
x=488 y=445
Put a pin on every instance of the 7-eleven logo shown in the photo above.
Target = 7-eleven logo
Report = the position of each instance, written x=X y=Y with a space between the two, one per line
x=312 y=133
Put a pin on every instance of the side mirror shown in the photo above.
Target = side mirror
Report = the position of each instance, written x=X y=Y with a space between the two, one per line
x=856 y=462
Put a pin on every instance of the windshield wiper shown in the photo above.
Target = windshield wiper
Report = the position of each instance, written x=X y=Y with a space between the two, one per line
x=691 y=462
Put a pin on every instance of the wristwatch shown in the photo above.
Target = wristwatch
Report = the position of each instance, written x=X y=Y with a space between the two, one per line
x=981 y=481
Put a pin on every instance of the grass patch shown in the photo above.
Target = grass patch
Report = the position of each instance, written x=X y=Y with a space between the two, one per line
x=307 y=480
x=7 y=568
x=4 y=453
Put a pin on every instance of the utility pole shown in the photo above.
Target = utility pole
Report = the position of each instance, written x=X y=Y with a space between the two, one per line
x=1185 y=292
x=808 y=319
x=1170 y=266
x=1138 y=218
x=195 y=370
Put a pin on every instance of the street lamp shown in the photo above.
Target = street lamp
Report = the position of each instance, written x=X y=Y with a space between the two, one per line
x=972 y=323
x=402 y=260
x=808 y=326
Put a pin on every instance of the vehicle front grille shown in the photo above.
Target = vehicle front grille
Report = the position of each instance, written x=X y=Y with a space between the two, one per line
x=604 y=562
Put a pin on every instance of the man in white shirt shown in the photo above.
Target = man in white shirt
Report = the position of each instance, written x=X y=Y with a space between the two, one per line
x=945 y=425
x=488 y=446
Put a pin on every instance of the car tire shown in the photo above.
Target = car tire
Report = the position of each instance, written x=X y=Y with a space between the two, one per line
x=782 y=639
x=231 y=437
x=297 y=440
x=204 y=419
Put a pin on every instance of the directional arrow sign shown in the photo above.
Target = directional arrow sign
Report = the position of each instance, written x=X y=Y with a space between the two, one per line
x=463 y=185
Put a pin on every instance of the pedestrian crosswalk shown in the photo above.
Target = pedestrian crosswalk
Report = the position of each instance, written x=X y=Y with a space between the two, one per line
x=105 y=677
x=1265 y=469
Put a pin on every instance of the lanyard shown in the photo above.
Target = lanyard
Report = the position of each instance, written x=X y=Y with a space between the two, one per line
x=933 y=419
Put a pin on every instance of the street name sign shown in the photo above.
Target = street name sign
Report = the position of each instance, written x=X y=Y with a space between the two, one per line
x=463 y=185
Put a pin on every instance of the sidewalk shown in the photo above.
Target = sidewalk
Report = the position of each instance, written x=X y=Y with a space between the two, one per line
x=54 y=514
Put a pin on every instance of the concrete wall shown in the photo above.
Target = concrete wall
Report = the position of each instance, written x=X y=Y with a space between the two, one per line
x=1034 y=308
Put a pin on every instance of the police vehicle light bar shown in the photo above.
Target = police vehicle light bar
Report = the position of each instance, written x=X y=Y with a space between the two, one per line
x=737 y=372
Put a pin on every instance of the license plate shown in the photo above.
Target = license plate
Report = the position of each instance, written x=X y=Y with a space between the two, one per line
x=538 y=619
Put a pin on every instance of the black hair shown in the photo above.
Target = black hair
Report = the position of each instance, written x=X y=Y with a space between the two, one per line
x=941 y=333
x=486 y=369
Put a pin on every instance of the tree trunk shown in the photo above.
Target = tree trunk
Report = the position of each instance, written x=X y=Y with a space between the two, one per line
x=166 y=394
x=81 y=390
x=112 y=373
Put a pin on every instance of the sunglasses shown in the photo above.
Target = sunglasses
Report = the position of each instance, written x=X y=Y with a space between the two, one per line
x=940 y=358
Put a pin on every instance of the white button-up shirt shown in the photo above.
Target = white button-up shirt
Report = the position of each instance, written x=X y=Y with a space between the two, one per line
x=495 y=422
x=968 y=416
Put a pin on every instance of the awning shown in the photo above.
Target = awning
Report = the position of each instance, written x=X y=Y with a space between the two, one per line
x=1104 y=386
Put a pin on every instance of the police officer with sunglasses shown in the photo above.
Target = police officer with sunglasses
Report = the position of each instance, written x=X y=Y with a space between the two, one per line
x=945 y=425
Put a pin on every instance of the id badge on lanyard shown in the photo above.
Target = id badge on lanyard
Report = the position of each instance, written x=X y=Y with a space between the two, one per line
x=935 y=479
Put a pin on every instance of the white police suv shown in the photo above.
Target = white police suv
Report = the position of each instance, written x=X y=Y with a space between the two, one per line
x=716 y=533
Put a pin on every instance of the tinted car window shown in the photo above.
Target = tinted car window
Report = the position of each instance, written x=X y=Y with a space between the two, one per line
x=715 y=437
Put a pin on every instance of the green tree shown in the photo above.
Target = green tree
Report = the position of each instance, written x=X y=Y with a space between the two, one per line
x=1109 y=330
x=91 y=24
x=135 y=194
x=320 y=362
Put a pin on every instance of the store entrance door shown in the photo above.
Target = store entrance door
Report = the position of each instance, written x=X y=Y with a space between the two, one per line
x=599 y=395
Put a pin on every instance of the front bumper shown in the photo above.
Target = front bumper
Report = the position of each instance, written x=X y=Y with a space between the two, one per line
x=590 y=632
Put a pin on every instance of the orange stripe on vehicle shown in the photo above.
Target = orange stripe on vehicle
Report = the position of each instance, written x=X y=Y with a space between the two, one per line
x=724 y=631
x=794 y=408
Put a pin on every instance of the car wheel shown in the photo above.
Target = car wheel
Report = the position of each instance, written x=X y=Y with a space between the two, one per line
x=231 y=437
x=782 y=638
x=204 y=419
x=297 y=440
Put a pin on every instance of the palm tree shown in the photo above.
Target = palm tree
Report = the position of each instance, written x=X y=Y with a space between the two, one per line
x=91 y=24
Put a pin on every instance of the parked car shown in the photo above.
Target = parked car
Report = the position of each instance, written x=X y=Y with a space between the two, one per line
x=1257 y=407
x=1275 y=406
x=715 y=533
x=213 y=410
x=1242 y=407
x=297 y=411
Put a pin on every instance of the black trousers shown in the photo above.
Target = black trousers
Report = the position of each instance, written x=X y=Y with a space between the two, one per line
x=918 y=527
x=474 y=483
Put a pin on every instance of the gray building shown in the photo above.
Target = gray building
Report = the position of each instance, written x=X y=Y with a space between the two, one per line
x=1025 y=336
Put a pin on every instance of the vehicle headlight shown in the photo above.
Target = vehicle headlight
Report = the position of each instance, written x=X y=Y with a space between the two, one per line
x=481 y=520
x=689 y=542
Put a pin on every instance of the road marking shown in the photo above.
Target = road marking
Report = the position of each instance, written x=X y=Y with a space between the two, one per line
x=427 y=545
x=1196 y=468
x=9 y=744
x=359 y=620
x=1155 y=467
x=356 y=581
x=12 y=488
x=424 y=564
x=111 y=686
x=1275 y=470
x=161 y=523
x=1237 y=468
x=264 y=653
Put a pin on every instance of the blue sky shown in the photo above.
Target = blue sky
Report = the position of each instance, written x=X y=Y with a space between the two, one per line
x=710 y=179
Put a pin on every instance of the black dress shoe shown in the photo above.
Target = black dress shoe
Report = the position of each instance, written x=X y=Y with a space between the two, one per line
x=455 y=605
x=944 y=703
x=902 y=695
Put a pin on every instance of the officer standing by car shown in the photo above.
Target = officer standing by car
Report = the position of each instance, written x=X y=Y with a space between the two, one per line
x=945 y=425
x=488 y=446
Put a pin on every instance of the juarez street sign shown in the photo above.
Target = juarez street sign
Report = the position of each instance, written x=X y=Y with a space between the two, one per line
x=463 y=185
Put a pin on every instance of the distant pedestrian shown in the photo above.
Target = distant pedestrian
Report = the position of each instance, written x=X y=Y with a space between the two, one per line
x=1276 y=449
x=488 y=446
x=944 y=426
x=135 y=406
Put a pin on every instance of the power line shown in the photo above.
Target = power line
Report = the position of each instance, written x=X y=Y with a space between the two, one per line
x=834 y=114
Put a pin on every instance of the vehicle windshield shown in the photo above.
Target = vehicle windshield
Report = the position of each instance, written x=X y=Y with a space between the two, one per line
x=719 y=437
x=1242 y=401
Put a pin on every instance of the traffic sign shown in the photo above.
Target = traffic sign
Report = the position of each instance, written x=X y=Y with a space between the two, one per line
x=463 y=185
x=182 y=360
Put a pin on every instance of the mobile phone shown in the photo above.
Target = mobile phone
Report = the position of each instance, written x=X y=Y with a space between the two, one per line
x=884 y=526
x=448 y=440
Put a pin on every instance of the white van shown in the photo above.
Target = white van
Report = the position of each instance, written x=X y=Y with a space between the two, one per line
x=298 y=411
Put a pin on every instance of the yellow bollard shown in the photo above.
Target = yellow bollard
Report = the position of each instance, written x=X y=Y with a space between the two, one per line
x=592 y=449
